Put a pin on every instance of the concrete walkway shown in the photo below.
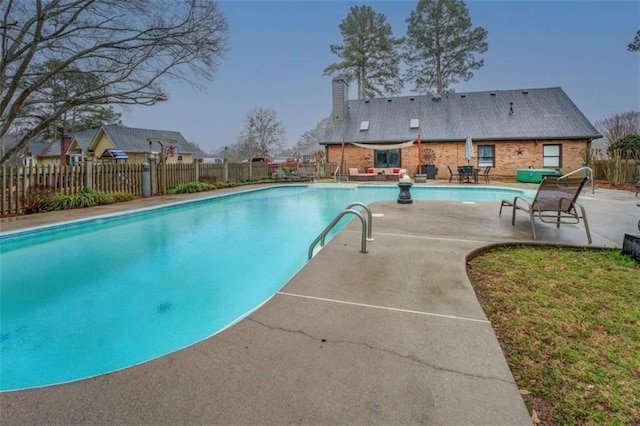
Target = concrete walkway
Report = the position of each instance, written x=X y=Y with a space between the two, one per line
x=395 y=336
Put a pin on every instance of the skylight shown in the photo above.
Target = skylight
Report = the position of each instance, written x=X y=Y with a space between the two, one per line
x=414 y=123
x=364 y=125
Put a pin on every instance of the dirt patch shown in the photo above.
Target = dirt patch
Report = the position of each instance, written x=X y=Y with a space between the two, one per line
x=626 y=186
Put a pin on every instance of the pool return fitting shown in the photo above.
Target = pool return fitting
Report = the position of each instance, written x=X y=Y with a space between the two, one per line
x=367 y=227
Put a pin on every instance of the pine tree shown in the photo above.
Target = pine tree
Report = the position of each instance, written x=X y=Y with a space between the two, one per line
x=311 y=138
x=370 y=54
x=441 y=45
x=634 y=46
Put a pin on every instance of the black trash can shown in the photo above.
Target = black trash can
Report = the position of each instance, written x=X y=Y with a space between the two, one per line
x=429 y=170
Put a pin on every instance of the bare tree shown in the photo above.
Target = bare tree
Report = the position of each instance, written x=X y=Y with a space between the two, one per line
x=125 y=49
x=618 y=126
x=263 y=133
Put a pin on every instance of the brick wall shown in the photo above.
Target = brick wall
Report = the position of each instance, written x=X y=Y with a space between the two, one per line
x=509 y=156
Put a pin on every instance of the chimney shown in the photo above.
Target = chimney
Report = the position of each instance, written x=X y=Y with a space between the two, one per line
x=65 y=143
x=339 y=95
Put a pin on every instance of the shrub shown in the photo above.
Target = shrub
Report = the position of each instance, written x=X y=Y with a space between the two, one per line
x=37 y=198
x=629 y=145
x=86 y=198
x=116 y=197
x=191 y=187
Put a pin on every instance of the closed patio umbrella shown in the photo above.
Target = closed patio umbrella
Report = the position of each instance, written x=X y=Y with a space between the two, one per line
x=468 y=149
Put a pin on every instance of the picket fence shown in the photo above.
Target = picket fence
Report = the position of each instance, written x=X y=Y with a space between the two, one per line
x=15 y=182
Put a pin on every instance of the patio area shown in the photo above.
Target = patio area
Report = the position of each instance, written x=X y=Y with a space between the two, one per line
x=395 y=336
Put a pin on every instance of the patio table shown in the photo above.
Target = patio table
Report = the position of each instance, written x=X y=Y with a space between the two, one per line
x=468 y=174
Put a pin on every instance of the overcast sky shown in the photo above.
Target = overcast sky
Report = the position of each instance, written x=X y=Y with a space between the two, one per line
x=279 y=49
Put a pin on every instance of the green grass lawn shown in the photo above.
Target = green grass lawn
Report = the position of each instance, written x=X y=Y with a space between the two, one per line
x=569 y=324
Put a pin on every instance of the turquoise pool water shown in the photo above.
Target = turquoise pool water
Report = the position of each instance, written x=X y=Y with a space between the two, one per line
x=83 y=299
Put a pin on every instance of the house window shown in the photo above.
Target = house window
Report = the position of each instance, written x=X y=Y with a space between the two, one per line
x=364 y=125
x=552 y=156
x=486 y=155
x=387 y=158
x=29 y=161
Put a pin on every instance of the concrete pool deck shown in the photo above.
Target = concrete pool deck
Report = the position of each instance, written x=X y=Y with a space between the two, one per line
x=395 y=336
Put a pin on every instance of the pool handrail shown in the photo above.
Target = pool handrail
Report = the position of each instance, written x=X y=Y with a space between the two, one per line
x=579 y=170
x=323 y=234
x=369 y=218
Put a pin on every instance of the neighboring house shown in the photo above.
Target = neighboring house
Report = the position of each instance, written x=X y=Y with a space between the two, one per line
x=134 y=142
x=510 y=129
x=79 y=146
x=115 y=143
x=32 y=151
x=75 y=153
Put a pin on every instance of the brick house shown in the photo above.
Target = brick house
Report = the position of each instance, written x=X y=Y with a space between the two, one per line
x=510 y=129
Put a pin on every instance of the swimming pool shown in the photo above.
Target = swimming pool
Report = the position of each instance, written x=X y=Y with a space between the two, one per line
x=86 y=298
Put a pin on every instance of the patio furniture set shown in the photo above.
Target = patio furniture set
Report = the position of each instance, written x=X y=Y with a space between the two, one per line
x=470 y=174
x=298 y=175
x=374 y=174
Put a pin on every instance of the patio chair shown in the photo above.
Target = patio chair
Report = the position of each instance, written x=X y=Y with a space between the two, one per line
x=303 y=175
x=554 y=202
x=451 y=174
x=280 y=175
x=486 y=174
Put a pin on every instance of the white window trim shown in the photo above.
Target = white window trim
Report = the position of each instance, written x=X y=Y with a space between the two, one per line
x=493 y=159
x=558 y=158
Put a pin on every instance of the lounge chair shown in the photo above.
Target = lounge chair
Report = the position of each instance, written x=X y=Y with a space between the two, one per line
x=555 y=202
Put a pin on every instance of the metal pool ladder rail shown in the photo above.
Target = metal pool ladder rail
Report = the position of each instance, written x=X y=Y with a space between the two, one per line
x=367 y=227
x=582 y=169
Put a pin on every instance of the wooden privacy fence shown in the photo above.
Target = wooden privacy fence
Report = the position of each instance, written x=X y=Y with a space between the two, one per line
x=112 y=177
x=16 y=181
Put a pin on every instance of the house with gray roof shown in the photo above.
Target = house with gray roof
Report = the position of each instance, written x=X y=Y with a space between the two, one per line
x=134 y=142
x=32 y=150
x=510 y=130
x=131 y=145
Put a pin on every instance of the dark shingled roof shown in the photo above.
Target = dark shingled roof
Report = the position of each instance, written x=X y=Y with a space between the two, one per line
x=84 y=138
x=36 y=148
x=135 y=140
x=537 y=114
